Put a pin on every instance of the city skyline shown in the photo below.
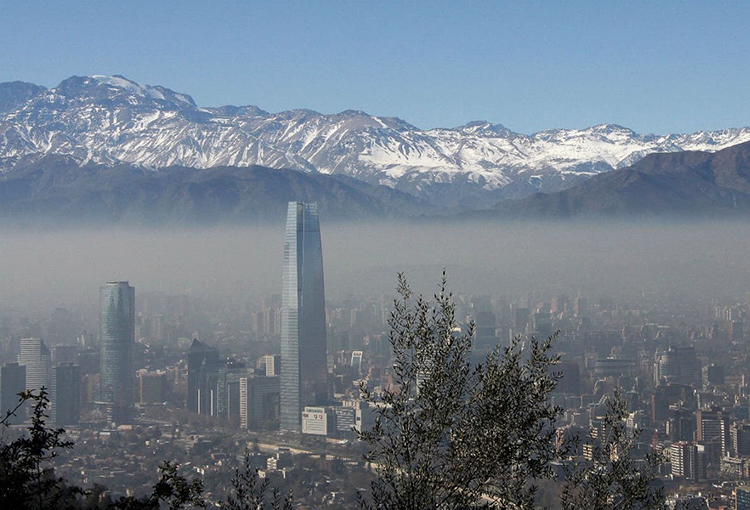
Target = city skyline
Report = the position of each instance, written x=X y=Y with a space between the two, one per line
x=536 y=283
x=681 y=396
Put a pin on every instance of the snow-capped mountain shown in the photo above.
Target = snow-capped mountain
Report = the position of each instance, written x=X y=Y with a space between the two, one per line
x=110 y=119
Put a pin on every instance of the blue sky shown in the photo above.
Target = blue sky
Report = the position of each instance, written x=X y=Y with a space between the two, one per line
x=653 y=66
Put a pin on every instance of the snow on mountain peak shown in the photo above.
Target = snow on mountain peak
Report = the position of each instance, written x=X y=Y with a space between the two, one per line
x=118 y=84
x=483 y=126
x=118 y=81
x=110 y=119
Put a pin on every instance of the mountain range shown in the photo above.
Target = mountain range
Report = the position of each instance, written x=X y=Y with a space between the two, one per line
x=60 y=190
x=113 y=122
x=681 y=184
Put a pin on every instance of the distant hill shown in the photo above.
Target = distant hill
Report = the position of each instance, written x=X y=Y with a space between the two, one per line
x=59 y=189
x=682 y=184
x=63 y=189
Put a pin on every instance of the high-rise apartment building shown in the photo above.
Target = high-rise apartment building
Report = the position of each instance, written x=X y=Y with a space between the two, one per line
x=152 y=387
x=304 y=373
x=357 y=360
x=117 y=342
x=742 y=498
x=485 y=325
x=711 y=424
x=678 y=364
x=519 y=320
x=739 y=440
x=228 y=389
x=36 y=357
x=688 y=460
x=272 y=364
x=259 y=402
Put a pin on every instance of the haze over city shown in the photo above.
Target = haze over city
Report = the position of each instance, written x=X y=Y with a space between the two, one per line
x=394 y=255
x=685 y=261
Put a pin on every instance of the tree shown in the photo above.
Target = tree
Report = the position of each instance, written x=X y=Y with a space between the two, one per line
x=450 y=434
x=612 y=479
x=248 y=494
x=172 y=490
x=26 y=478
x=28 y=481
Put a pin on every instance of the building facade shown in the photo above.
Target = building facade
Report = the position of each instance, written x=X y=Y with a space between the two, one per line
x=742 y=498
x=65 y=395
x=203 y=370
x=688 y=461
x=117 y=342
x=259 y=402
x=318 y=421
x=152 y=387
x=12 y=382
x=304 y=372
x=35 y=356
x=271 y=363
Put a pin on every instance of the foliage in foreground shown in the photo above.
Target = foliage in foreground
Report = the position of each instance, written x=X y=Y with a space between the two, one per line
x=172 y=490
x=249 y=494
x=28 y=481
x=613 y=479
x=450 y=434
x=453 y=435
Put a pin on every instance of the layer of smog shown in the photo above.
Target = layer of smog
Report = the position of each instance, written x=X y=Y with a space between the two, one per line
x=41 y=270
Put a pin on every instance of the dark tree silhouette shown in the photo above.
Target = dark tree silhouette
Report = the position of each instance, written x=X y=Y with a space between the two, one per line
x=26 y=478
x=172 y=490
x=248 y=493
x=450 y=434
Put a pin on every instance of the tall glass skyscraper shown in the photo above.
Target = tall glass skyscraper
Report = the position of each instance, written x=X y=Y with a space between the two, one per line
x=304 y=366
x=117 y=337
x=203 y=367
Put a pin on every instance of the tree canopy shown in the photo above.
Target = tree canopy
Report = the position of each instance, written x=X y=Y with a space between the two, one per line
x=453 y=434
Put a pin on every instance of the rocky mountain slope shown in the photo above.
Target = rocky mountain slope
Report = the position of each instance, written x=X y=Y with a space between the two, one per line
x=683 y=185
x=111 y=120
x=61 y=190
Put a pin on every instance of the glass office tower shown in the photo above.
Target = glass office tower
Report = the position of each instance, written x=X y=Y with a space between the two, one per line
x=36 y=357
x=117 y=337
x=304 y=369
x=12 y=382
x=203 y=361
x=65 y=394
